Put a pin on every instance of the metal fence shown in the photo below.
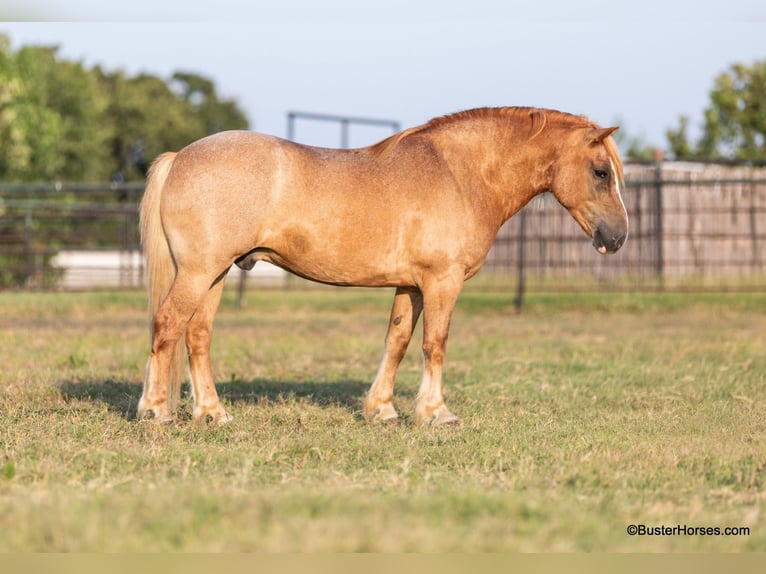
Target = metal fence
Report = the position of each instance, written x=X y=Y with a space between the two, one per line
x=691 y=226
x=57 y=235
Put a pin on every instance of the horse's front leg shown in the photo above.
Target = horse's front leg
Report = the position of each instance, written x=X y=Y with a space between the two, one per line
x=408 y=304
x=440 y=295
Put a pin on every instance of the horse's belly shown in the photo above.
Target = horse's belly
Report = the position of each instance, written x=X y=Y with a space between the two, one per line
x=350 y=270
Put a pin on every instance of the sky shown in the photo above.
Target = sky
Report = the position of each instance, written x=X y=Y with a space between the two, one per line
x=638 y=64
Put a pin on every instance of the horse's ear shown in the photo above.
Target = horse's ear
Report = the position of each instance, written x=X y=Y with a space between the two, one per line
x=598 y=135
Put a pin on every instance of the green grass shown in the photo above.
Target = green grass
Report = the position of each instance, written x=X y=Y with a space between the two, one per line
x=581 y=416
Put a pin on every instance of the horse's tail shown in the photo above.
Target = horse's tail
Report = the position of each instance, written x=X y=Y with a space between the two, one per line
x=160 y=266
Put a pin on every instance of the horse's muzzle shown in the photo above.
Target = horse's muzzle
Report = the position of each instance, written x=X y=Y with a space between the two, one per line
x=607 y=239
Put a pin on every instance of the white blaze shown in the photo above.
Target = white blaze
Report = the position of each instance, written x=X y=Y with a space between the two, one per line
x=617 y=186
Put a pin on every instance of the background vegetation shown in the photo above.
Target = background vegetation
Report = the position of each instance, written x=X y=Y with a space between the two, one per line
x=735 y=120
x=584 y=415
x=733 y=129
x=62 y=121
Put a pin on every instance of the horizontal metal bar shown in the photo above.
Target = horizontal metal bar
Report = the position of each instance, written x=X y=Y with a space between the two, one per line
x=59 y=206
x=69 y=187
x=338 y=118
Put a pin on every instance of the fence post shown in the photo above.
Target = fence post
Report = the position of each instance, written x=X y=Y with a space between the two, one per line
x=133 y=241
x=241 y=288
x=521 y=262
x=344 y=133
x=659 y=231
x=753 y=230
x=28 y=263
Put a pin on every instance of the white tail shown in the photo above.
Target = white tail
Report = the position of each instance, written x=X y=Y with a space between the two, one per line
x=160 y=266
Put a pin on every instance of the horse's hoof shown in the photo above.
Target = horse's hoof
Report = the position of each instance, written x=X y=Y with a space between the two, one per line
x=384 y=414
x=386 y=420
x=440 y=416
x=225 y=419
x=215 y=416
x=155 y=415
x=446 y=418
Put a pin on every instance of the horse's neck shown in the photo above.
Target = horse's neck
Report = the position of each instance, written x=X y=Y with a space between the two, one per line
x=504 y=166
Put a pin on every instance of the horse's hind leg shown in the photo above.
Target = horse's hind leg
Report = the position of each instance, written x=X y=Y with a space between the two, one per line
x=408 y=303
x=199 y=332
x=160 y=392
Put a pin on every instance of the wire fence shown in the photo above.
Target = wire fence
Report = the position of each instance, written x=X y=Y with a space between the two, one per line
x=692 y=226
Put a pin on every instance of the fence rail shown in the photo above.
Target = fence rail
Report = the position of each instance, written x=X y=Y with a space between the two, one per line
x=691 y=226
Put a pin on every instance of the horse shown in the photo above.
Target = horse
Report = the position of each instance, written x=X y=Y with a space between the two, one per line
x=416 y=212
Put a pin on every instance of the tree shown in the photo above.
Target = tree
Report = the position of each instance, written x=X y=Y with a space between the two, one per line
x=735 y=120
x=214 y=114
x=154 y=115
x=62 y=121
x=150 y=116
x=678 y=140
x=75 y=105
x=29 y=130
x=633 y=147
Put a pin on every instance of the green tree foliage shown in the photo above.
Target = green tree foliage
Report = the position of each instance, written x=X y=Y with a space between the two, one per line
x=67 y=107
x=212 y=112
x=62 y=121
x=735 y=120
x=29 y=130
x=633 y=147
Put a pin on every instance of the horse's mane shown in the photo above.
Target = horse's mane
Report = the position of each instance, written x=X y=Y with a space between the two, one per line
x=536 y=119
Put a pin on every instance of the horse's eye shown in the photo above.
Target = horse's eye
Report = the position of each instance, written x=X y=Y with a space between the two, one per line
x=601 y=173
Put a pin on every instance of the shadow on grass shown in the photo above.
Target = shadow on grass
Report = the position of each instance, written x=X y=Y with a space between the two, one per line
x=118 y=396
x=122 y=397
x=347 y=393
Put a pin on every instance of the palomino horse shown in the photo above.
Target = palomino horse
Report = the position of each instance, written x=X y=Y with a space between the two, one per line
x=418 y=212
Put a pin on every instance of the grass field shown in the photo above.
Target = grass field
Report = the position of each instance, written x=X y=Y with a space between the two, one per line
x=584 y=415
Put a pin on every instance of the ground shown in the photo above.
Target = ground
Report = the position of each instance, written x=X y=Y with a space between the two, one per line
x=582 y=416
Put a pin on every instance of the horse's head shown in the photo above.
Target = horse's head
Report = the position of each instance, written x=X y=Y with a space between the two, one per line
x=587 y=180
